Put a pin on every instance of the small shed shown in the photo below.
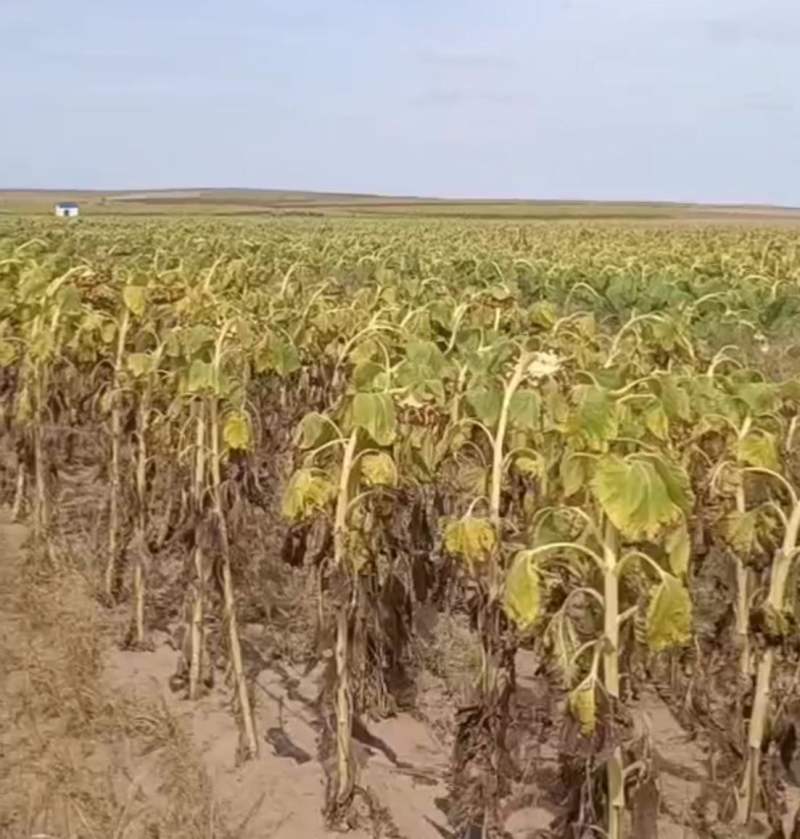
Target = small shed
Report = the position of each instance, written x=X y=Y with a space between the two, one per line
x=67 y=209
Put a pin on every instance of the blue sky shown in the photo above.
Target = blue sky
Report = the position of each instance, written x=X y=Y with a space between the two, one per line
x=695 y=100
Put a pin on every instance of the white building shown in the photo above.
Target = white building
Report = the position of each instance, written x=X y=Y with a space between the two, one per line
x=67 y=209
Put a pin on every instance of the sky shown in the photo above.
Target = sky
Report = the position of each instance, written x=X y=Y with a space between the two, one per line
x=684 y=100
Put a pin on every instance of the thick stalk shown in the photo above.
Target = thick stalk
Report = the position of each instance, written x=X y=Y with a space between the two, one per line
x=345 y=779
x=197 y=627
x=614 y=767
x=141 y=497
x=742 y=607
x=781 y=566
x=248 y=725
x=19 y=493
x=41 y=513
x=114 y=473
x=498 y=446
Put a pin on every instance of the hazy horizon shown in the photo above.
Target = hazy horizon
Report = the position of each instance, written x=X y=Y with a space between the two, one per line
x=684 y=101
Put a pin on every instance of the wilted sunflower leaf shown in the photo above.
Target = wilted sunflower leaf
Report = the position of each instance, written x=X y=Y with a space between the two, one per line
x=758 y=449
x=669 y=616
x=574 y=473
x=486 y=404
x=375 y=413
x=134 y=297
x=532 y=466
x=471 y=538
x=679 y=487
x=379 y=469
x=306 y=492
x=679 y=549
x=236 y=432
x=583 y=706
x=7 y=353
x=522 y=595
x=634 y=496
x=739 y=531
x=140 y=363
x=524 y=409
x=655 y=418
x=596 y=416
x=314 y=430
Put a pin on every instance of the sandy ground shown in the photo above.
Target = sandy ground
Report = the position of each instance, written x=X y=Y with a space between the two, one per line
x=159 y=767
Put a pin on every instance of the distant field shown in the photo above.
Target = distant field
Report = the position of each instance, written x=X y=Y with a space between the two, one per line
x=232 y=202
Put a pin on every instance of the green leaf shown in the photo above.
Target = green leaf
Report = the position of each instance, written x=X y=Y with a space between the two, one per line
x=634 y=496
x=583 y=706
x=379 y=470
x=306 y=492
x=473 y=539
x=522 y=594
x=574 y=472
x=375 y=413
x=758 y=448
x=524 y=409
x=596 y=416
x=135 y=298
x=236 y=432
x=679 y=548
x=314 y=430
x=486 y=404
x=669 y=616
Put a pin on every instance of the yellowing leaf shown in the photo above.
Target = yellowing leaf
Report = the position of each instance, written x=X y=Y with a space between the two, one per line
x=675 y=401
x=379 y=470
x=583 y=706
x=531 y=466
x=679 y=549
x=596 y=417
x=656 y=421
x=634 y=496
x=574 y=473
x=758 y=449
x=473 y=479
x=108 y=332
x=739 y=531
x=314 y=430
x=473 y=539
x=306 y=492
x=669 y=616
x=524 y=409
x=236 y=432
x=375 y=413
x=7 y=353
x=140 y=363
x=522 y=596
x=135 y=299
x=679 y=487
x=201 y=376
x=486 y=404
